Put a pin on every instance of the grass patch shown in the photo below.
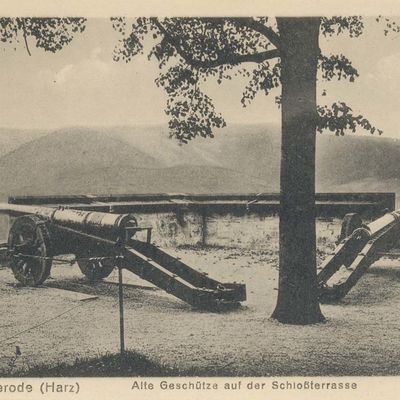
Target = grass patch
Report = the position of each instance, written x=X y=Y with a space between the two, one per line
x=112 y=365
x=109 y=365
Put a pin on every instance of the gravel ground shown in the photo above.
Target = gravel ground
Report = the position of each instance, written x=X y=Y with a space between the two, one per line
x=360 y=337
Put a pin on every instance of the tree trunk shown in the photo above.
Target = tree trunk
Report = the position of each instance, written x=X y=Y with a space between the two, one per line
x=298 y=296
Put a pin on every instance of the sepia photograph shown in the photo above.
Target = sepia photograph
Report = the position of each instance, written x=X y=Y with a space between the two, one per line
x=199 y=196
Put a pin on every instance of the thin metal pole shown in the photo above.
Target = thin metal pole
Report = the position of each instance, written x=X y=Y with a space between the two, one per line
x=204 y=226
x=148 y=237
x=121 y=308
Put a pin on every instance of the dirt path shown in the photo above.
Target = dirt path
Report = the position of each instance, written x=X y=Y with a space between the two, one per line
x=359 y=338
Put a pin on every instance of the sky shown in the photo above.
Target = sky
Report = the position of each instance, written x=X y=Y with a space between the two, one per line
x=82 y=85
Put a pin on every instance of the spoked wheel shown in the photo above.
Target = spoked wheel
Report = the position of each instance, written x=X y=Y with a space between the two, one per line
x=96 y=270
x=29 y=246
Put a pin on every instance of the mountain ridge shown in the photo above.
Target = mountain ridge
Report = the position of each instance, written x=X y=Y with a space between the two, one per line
x=137 y=159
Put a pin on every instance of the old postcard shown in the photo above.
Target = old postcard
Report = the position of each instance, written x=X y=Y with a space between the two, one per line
x=199 y=200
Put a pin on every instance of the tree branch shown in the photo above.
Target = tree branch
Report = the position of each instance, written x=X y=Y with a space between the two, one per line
x=231 y=59
x=25 y=38
x=259 y=27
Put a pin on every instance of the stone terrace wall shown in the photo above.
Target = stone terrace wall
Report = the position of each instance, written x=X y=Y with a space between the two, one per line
x=237 y=220
x=251 y=231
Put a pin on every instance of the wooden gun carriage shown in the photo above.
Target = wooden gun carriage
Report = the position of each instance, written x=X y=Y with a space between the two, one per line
x=359 y=247
x=100 y=242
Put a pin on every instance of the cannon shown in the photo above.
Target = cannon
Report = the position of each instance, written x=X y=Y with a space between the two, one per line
x=100 y=242
x=359 y=247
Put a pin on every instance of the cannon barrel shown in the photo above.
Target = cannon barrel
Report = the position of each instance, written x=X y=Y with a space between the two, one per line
x=376 y=226
x=100 y=223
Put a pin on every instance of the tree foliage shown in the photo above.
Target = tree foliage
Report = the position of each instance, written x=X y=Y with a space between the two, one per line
x=340 y=118
x=50 y=34
x=192 y=50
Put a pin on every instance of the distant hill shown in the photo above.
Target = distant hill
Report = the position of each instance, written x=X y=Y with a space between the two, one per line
x=361 y=161
x=10 y=139
x=179 y=179
x=250 y=149
x=241 y=158
x=343 y=160
x=87 y=161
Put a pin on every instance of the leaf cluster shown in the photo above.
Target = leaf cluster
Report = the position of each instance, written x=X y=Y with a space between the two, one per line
x=50 y=34
x=337 y=66
x=390 y=26
x=340 y=117
x=333 y=26
x=191 y=111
